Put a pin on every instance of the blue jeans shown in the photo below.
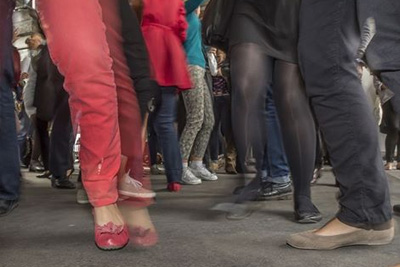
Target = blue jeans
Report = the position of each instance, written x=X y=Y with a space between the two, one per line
x=275 y=168
x=9 y=161
x=164 y=127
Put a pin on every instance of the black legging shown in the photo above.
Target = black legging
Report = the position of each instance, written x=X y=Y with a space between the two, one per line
x=252 y=71
x=391 y=120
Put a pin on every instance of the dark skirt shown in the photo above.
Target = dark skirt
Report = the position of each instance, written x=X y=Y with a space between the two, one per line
x=273 y=24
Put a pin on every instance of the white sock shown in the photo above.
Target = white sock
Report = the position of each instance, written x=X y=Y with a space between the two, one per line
x=184 y=165
x=196 y=164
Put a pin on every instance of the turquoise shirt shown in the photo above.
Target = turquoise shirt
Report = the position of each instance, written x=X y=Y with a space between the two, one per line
x=193 y=44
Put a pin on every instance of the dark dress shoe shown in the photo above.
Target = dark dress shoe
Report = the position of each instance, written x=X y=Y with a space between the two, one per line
x=273 y=191
x=396 y=209
x=62 y=183
x=45 y=175
x=238 y=190
x=36 y=167
x=307 y=217
x=6 y=206
x=230 y=169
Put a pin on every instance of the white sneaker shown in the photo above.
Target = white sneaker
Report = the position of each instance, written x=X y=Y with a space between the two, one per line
x=203 y=174
x=189 y=178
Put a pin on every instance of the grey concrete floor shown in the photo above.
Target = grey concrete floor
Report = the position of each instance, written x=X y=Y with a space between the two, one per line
x=50 y=229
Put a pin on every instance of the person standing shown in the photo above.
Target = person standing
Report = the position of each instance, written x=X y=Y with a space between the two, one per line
x=164 y=29
x=9 y=167
x=328 y=43
x=105 y=106
x=198 y=103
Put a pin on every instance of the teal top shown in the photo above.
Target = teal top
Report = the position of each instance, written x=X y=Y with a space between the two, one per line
x=193 y=44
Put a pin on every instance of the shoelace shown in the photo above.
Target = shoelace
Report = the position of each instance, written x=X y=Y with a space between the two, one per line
x=132 y=181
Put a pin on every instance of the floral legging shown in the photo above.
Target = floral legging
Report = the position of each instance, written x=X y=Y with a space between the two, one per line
x=199 y=116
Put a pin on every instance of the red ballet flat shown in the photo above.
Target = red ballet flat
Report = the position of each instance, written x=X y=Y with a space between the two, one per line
x=111 y=236
x=144 y=238
x=174 y=187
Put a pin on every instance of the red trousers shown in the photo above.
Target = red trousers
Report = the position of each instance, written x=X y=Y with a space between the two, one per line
x=85 y=42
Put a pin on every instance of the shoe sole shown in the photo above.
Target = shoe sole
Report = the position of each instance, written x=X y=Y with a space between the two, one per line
x=235 y=217
x=10 y=210
x=111 y=249
x=190 y=183
x=130 y=194
x=380 y=241
x=83 y=202
x=309 y=220
x=285 y=196
x=209 y=180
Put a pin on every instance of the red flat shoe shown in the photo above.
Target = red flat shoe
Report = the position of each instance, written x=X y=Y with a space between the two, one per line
x=174 y=187
x=144 y=238
x=111 y=236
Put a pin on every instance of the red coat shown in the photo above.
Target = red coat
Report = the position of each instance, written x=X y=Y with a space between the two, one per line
x=164 y=29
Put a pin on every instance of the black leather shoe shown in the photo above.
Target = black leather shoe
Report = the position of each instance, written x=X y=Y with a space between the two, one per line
x=273 y=191
x=36 y=167
x=307 y=217
x=45 y=175
x=6 y=206
x=62 y=183
x=396 y=209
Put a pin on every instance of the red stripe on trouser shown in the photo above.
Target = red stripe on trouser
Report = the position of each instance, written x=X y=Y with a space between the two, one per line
x=85 y=43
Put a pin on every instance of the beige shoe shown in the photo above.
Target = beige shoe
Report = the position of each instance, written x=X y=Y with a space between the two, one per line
x=128 y=186
x=390 y=166
x=213 y=167
x=81 y=195
x=310 y=240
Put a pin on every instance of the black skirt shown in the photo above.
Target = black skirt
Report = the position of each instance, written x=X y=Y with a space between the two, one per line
x=273 y=24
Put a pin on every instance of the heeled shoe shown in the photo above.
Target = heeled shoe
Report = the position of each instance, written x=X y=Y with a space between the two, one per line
x=111 y=237
x=142 y=237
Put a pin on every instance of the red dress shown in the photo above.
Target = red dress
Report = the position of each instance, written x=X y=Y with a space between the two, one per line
x=164 y=29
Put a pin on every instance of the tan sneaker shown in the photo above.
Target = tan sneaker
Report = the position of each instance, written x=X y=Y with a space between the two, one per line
x=128 y=186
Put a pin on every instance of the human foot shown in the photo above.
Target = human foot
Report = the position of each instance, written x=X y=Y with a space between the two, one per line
x=142 y=230
x=111 y=233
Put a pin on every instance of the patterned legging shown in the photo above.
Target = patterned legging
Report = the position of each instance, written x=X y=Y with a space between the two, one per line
x=199 y=116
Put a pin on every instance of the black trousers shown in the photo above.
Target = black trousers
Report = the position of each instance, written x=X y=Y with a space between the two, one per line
x=9 y=159
x=61 y=140
x=329 y=38
x=57 y=147
x=42 y=131
x=222 y=115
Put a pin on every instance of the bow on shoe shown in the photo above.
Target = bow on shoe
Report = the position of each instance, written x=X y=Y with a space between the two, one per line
x=110 y=228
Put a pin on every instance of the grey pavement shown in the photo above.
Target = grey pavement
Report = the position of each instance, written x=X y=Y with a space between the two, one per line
x=50 y=229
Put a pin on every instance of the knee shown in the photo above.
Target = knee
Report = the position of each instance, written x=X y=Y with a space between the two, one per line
x=195 y=123
x=163 y=128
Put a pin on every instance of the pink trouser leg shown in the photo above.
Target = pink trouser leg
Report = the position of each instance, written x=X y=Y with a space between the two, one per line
x=76 y=36
x=128 y=107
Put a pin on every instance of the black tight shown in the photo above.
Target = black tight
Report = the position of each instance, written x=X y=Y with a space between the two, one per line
x=391 y=121
x=252 y=71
